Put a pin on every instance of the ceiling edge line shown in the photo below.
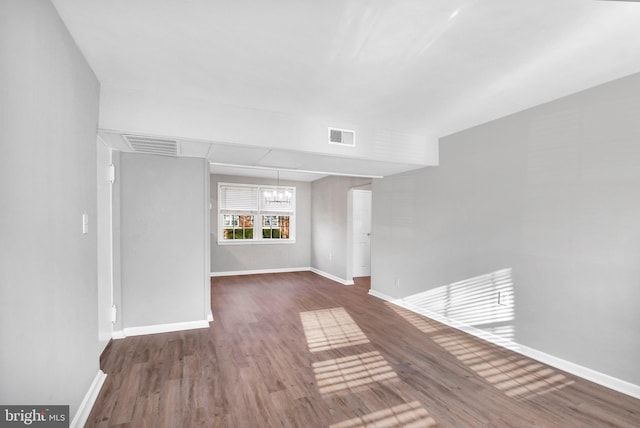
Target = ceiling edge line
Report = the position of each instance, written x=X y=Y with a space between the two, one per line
x=301 y=171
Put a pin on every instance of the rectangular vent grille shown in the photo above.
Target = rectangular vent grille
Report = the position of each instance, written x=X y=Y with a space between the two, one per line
x=152 y=146
x=344 y=137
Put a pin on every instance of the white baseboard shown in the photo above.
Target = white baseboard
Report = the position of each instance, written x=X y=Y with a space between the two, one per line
x=382 y=296
x=564 y=365
x=160 y=328
x=259 y=271
x=283 y=270
x=594 y=376
x=88 y=401
x=210 y=316
x=331 y=277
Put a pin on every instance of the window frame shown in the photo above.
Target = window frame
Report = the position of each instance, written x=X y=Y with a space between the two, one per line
x=258 y=211
x=280 y=225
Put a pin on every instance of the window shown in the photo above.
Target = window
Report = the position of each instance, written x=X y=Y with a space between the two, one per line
x=256 y=214
x=238 y=226
x=275 y=226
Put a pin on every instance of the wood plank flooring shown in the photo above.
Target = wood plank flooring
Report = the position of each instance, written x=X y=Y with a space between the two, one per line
x=298 y=350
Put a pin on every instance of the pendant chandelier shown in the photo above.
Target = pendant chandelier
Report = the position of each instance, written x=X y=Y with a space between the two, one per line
x=278 y=196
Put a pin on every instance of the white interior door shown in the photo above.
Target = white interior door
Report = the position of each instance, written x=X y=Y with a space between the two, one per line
x=361 y=233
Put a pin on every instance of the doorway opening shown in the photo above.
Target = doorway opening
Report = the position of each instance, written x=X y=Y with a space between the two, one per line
x=360 y=235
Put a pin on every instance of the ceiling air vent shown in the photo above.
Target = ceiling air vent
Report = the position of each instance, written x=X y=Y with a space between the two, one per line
x=344 y=137
x=152 y=146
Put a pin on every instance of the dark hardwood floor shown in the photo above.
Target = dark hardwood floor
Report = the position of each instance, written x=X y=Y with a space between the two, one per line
x=298 y=350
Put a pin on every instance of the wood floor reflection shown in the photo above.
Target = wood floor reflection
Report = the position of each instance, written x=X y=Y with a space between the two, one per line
x=298 y=350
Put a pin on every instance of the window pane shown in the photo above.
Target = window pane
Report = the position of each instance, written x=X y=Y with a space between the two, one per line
x=237 y=227
x=245 y=221
x=275 y=227
x=283 y=222
x=228 y=221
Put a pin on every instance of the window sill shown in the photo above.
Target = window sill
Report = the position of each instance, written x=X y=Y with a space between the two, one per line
x=265 y=242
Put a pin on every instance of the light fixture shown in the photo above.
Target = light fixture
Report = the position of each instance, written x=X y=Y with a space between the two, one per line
x=278 y=196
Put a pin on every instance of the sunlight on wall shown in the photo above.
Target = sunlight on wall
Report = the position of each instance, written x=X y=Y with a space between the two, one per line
x=505 y=331
x=331 y=328
x=517 y=376
x=485 y=301
x=405 y=415
x=353 y=372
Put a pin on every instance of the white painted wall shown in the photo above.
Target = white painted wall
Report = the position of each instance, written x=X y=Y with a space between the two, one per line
x=48 y=288
x=164 y=203
x=250 y=257
x=550 y=193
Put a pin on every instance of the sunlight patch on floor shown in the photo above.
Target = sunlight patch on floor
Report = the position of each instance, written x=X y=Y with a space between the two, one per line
x=330 y=329
x=423 y=324
x=353 y=372
x=515 y=375
x=405 y=415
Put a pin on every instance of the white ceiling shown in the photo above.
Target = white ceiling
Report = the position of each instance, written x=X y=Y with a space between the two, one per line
x=414 y=66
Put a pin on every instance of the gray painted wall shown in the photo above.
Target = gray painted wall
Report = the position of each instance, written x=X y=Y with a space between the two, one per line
x=231 y=258
x=552 y=194
x=48 y=270
x=329 y=218
x=163 y=203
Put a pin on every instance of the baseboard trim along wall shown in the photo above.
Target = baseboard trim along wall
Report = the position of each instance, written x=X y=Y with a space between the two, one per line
x=331 y=277
x=259 y=271
x=160 y=328
x=283 y=270
x=567 y=366
x=88 y=401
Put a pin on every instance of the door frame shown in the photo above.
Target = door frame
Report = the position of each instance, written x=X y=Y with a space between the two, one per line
x=350 y=220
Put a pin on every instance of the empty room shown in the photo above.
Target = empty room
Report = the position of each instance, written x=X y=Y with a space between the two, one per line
x=320 y=214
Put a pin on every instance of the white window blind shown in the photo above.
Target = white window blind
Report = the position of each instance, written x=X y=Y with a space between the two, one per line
x=244 y=199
